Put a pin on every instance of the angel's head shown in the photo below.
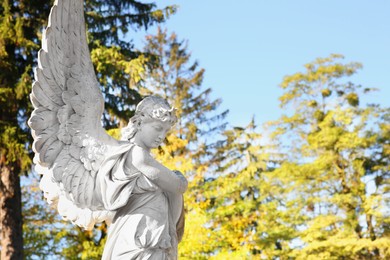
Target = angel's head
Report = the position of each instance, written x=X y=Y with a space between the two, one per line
x=153 y=118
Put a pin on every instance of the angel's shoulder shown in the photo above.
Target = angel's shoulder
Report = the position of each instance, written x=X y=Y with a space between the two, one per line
x=138 y=155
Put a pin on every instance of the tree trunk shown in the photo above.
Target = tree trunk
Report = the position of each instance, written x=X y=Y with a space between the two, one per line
x=10 y=213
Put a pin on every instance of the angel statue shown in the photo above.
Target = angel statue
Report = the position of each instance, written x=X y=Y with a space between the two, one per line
x=89 y=176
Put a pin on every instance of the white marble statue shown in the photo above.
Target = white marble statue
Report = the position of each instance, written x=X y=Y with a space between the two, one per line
x=88 y=175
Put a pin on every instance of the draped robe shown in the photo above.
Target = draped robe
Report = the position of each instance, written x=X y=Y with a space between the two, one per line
x=149 y=222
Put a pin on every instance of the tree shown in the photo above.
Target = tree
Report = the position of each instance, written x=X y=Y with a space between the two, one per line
x=234 y=194
x=40 y=239
x=332 y=185
x=21 y=23
x=315 y=188
x=172 y=75
x=242 y=196
x=179 y=80
x=191 y=146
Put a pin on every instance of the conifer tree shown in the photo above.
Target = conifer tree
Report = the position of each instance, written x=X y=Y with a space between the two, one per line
x=116 y=64
x=178 y=79
x=191 y=146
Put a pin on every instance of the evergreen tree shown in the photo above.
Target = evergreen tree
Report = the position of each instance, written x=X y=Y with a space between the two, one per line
x=191 y=146
x=116 y=64
x=179 y=80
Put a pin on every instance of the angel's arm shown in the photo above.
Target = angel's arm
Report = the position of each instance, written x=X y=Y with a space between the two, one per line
x=156 y=172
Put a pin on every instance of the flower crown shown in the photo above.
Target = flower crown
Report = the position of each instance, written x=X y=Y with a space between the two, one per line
x=151 y=107
x=156 y=108
x=164 y=114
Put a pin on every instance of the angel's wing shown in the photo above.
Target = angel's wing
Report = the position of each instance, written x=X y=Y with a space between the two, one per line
x=69 y=140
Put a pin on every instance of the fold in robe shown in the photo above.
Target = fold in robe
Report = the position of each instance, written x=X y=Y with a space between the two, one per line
x=149 y=222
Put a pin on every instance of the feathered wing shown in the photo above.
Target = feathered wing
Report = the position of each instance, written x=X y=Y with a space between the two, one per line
x=69 y=140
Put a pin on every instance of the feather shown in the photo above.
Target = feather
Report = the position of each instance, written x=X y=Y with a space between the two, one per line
x=48 y=85
x=63 y=135
x=34 y=134
x=64 y=113
x=40 y=95
x=45 y=147
x=34 y=101
x=74 y=151
x=73 y=84
x=78 y=105
x=95 y=166
x=68 y=107
x=89 y=188
x=61 y=163
x=69 y=170
x=41 y=118
x=77 y=140
x=81 y=189
x=55 y=51
x=53 y=14
x=76 y=176
x=43 y=63
x=75 y=124
x=43 y=137
x=67 y=22
x=53 y=150
x=66 y=181
x=47 y=33
x=77 y=189
x=67 y=95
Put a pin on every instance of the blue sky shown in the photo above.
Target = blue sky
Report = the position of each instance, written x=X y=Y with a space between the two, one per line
x=248 y=46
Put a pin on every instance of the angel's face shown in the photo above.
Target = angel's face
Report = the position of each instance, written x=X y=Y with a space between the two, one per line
x=151 y=133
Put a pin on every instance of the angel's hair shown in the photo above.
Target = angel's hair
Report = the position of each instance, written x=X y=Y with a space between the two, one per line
x=150 y=108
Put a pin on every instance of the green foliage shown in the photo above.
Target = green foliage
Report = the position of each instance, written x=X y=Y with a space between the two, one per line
x=117 y=66
x=327 y=183
x=116 y=63
x=17 y=47
x=317 y=188
x=80 y=244
x=47 y=236
x=179 y=80
x=40 y=238
x=191 y=146
x=11 y=139
x=233 y=195
x=243 y=200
